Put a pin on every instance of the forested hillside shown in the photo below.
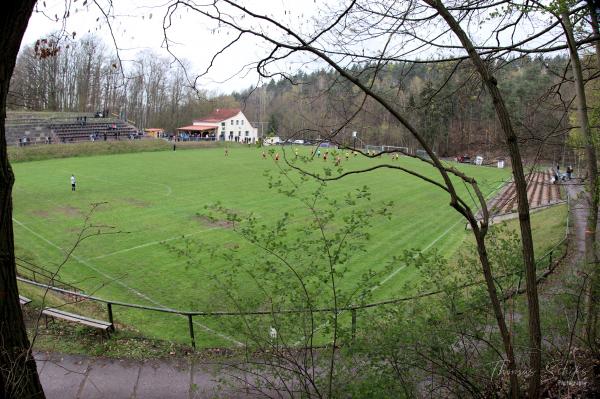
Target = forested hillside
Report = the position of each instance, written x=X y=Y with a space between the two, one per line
x=459 y=119
x=84 y=75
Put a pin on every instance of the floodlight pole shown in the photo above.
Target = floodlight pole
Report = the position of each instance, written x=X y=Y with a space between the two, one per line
x=354 y=145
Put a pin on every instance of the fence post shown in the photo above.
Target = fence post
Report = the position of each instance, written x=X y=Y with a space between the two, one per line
x=192 y=331
x=353 y=324
x=110 y=314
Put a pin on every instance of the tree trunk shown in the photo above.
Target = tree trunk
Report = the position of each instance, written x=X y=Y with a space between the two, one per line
x=18 y=373
x=595 y=29
x=592 y=166
x=535 y=334
x=497 y=306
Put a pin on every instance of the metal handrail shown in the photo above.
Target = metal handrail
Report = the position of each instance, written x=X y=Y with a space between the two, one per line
x=36 y=270
x=190 y=314
x=352 y=308
x=548 y=254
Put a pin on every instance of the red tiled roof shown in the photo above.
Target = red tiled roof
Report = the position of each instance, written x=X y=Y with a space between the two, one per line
x=197 y=128
x=220 y=114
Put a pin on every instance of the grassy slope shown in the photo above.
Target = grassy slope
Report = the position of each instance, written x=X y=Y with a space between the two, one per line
x=86 y=149
x=154 y=196
x=548 y=228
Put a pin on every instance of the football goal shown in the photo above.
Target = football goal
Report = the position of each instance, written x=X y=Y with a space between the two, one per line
x=391 y=148
x=386 y=148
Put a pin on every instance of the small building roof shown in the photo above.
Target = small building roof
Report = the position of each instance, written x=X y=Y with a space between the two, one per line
x=154 y=129
x=197 y=128
x=219 y=115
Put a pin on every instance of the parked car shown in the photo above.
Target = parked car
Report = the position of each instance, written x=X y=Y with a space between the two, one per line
x=464 y=159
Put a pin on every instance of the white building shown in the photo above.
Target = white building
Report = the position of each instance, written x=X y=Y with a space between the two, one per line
x=223 y=124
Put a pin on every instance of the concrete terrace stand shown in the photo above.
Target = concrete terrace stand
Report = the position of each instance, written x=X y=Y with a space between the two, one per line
x=63 y=127
x=541 y=192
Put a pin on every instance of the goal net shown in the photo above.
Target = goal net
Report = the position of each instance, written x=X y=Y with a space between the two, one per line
x=391 y=148
x=373 y=148
x=386 y=148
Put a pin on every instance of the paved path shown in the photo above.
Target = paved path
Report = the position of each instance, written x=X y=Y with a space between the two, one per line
x=579 y=214
x=69 y=376
x=573 y=263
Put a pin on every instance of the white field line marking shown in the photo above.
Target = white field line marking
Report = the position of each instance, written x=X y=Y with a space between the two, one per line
x=385 y=280
x=148 y=244
x=138 y=293
x=169 y=189
x=431 y=244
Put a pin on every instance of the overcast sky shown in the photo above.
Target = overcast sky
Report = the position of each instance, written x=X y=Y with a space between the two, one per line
x=138 y=26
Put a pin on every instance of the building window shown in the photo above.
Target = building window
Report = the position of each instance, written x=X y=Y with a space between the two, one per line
x=242 y=121
x=223 y=124
x=232 y=121
x=247 y=133
x=237 y=121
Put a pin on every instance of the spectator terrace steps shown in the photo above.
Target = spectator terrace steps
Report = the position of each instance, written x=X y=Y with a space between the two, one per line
x=540 y=192
x=63 y=127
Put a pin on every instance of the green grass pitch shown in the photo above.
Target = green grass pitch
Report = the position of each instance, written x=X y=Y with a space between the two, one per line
x=154 y=197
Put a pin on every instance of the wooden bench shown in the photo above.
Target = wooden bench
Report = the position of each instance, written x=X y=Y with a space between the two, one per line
x=75 y=318
x=24 y=301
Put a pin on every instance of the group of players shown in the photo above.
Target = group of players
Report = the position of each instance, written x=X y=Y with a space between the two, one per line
x=335 y=155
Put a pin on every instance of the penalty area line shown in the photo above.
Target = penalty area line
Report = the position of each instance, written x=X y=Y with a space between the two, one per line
x=169 y=189
x=432 y=243
x=385 y=280
x=109 y=277
x=398 y=270
x=148 y=244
